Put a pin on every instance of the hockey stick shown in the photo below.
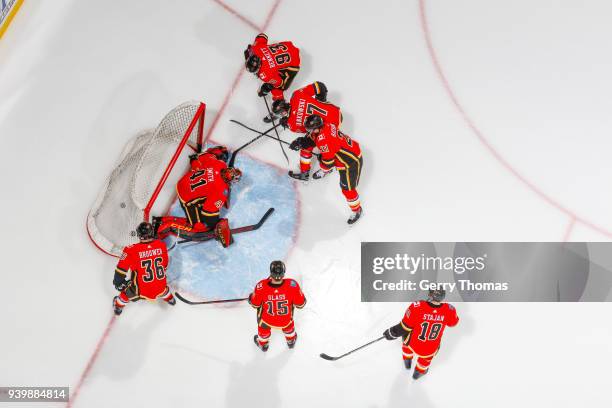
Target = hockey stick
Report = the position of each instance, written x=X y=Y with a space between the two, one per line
x=318 y=155
x=275 y=131
x=208 y=302
x=235 y=152
x=208 y=235
x=257 y=131
x=330 y=358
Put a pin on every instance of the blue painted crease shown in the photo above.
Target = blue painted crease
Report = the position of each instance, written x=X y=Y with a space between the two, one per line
x=213 y=272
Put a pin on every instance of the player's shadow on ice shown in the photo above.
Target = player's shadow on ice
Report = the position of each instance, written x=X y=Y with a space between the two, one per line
x=127 y=349
x=257 y=380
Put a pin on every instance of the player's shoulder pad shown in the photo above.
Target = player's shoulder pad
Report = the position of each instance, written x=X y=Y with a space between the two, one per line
x=451 y=307
x=292 y=283
x=260 y=284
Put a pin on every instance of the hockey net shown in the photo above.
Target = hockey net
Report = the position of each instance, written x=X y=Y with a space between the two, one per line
x=135 y=189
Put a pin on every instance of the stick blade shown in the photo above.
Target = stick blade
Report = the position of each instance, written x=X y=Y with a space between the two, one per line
x=326 y=357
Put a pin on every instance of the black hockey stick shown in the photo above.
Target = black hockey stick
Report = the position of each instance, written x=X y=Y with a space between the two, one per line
x=330 y=358
x=208 y=302
x=208 y=235
x=261 y=134
x=275 y=131
x=318 y=155
x=257 y=131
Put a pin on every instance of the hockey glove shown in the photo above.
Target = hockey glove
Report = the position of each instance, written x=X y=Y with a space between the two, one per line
x=302 y=142
x=389 y=335
x=120 y=283
x=283 y=122
x=265 y=89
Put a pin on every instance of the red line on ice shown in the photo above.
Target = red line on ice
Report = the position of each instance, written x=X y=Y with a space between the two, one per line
x=238 y=15
x=91 y=361
x=100 y=345
x=480 y=136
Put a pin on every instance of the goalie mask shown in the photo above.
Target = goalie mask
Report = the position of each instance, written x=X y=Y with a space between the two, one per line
x=436 y=295
x=231 y=175
x=145 y=231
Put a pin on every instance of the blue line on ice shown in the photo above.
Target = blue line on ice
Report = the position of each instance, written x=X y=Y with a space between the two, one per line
x=213 y=272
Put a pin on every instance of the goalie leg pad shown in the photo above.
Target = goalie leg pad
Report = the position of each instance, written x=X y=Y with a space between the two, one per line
x=223 y=232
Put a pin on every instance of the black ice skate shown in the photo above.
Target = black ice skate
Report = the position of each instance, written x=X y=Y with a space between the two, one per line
x=172 y=301
x=354 y=216
x=299 y=176
x=291 y=343
x=417 y=374
x=263 y=348
x=408 y=364
x=118 y=310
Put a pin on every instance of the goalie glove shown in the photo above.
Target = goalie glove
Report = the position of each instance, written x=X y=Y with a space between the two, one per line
x=265 y=89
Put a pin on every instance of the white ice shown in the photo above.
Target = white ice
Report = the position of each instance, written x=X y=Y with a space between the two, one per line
x=78 y=78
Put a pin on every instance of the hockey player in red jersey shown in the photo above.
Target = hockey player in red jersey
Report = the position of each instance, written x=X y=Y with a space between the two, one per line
x=422 y=328
x=311 y=99
x=337 y=150
x=147 y=260
x=202 y=191
x=274 y=298
x=275 y=64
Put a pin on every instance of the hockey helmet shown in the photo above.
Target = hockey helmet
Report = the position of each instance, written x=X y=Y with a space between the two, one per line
x=280 y=107
x=277 y=270
x=253 y=63
x=145 y=231
x=436 y=295
x=313 y=122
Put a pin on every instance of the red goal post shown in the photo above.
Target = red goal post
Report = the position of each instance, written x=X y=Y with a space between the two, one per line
x=135 y=189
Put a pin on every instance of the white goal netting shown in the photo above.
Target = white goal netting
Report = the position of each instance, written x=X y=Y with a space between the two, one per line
x=136 y=185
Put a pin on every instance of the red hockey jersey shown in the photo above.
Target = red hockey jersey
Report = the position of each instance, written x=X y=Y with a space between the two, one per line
x=337 y=148
x=426 y=323
x=276 y=60
x=275 y=303
x=304 y=104
x=204 y=184
x=148 y=262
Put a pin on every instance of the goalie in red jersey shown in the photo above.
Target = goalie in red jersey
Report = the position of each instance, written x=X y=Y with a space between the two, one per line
x=422 y=328
x=202 y=191
x=275 y=64
x=337 y=150
x=147 y=260
x=274 y=298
